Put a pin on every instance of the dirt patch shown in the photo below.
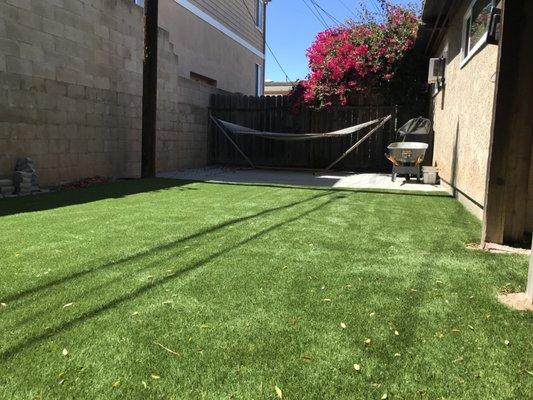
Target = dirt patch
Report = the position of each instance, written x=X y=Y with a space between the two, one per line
x=498 y=248
x=518 y=301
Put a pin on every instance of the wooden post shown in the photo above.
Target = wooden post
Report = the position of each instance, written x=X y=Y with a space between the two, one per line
x=149 y=100
x=510 y=147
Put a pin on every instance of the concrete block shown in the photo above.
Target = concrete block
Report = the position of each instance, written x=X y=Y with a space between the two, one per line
x=76 y=91
x=65 y=74
x=44 y=9
x=30 y=20
x=31 y=52
x=56 y=88
x=101 y=31
x=74 y=34
x=46 y=70
x=6 y=190
x=66 y=17
x=9 y=47
x=53 y=27
x=24 y=4
x=18 y=66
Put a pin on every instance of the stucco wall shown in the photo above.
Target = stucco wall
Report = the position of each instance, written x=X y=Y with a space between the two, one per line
x=207 y=51
x=462 y=113
x=71 y=90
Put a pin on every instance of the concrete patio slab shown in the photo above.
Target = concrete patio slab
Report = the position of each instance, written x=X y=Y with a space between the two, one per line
x=330 y=179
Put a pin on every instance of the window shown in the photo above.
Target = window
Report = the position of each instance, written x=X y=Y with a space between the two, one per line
x=259 y=10
x=258 y=80
x=139 y=2
x=475 y=26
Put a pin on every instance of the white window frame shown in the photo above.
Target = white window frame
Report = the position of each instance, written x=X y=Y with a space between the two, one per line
x=464 y=39
x=258 y=70
x=259 y=14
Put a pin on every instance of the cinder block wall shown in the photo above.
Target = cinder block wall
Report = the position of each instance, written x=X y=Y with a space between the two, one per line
x=71 y=90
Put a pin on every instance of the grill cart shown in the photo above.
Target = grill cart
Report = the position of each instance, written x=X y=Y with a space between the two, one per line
x=407 y=156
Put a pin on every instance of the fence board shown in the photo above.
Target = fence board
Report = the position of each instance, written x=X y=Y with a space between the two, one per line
x=274 y=114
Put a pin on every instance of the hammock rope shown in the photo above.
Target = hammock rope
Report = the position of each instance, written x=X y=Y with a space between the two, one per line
x=242 y=130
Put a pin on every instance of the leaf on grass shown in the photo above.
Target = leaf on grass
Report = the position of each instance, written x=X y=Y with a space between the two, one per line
x=397 y=354
x=507 y=342
x=3 y=304
x=65 y=352
x=135 y=313
x=68 y=305
x=384 y=397
x=117 y=383
x=397 y=333
x=307 y=358
x=456 y=330
x=368 y=342
x=145 y=385
x=471 y=327
x=460 y=359
x=204 y=327
x=326 y=299
x=357 y=367
x=155 y=377
x=168 y=302
x=529 y=372
x=343 y=325
x=278 y=392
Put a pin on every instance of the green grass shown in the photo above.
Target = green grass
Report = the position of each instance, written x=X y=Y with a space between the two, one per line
x=249 y=286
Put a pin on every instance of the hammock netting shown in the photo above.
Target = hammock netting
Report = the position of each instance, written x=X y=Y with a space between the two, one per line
x=242 y=130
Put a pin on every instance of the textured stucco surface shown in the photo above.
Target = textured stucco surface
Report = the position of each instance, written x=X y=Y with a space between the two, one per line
x=462 y=115
x=205 y=50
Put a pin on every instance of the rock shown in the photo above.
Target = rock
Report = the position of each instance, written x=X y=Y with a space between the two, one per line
x=7 y=190
x=6 y=182
x=26 y=165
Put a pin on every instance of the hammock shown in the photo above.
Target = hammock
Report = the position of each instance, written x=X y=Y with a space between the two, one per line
x=226 y=127
x=242 y=130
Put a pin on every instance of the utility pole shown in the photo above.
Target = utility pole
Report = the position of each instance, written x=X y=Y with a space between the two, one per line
x=149 y=101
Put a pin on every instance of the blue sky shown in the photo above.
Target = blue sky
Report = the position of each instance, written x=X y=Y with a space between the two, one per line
x=291 y=28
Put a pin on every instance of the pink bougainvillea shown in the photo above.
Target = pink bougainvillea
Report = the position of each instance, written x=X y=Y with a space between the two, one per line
x=357 y=58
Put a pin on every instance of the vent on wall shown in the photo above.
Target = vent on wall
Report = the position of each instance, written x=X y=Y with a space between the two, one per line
x=203 y=79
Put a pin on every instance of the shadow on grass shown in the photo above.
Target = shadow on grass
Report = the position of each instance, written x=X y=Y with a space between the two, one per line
x=398 y=192
x=52 y=331
x=70 y=197
x=163 y=247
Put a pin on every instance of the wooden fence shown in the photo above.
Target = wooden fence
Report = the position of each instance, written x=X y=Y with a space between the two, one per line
x=274 y=114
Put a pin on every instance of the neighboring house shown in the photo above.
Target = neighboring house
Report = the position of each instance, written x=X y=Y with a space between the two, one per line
x=220 y=43
x=481 y=109
x=278 y=88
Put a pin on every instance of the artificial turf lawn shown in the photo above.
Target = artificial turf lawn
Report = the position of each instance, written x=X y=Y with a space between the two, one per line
x=249 y=285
